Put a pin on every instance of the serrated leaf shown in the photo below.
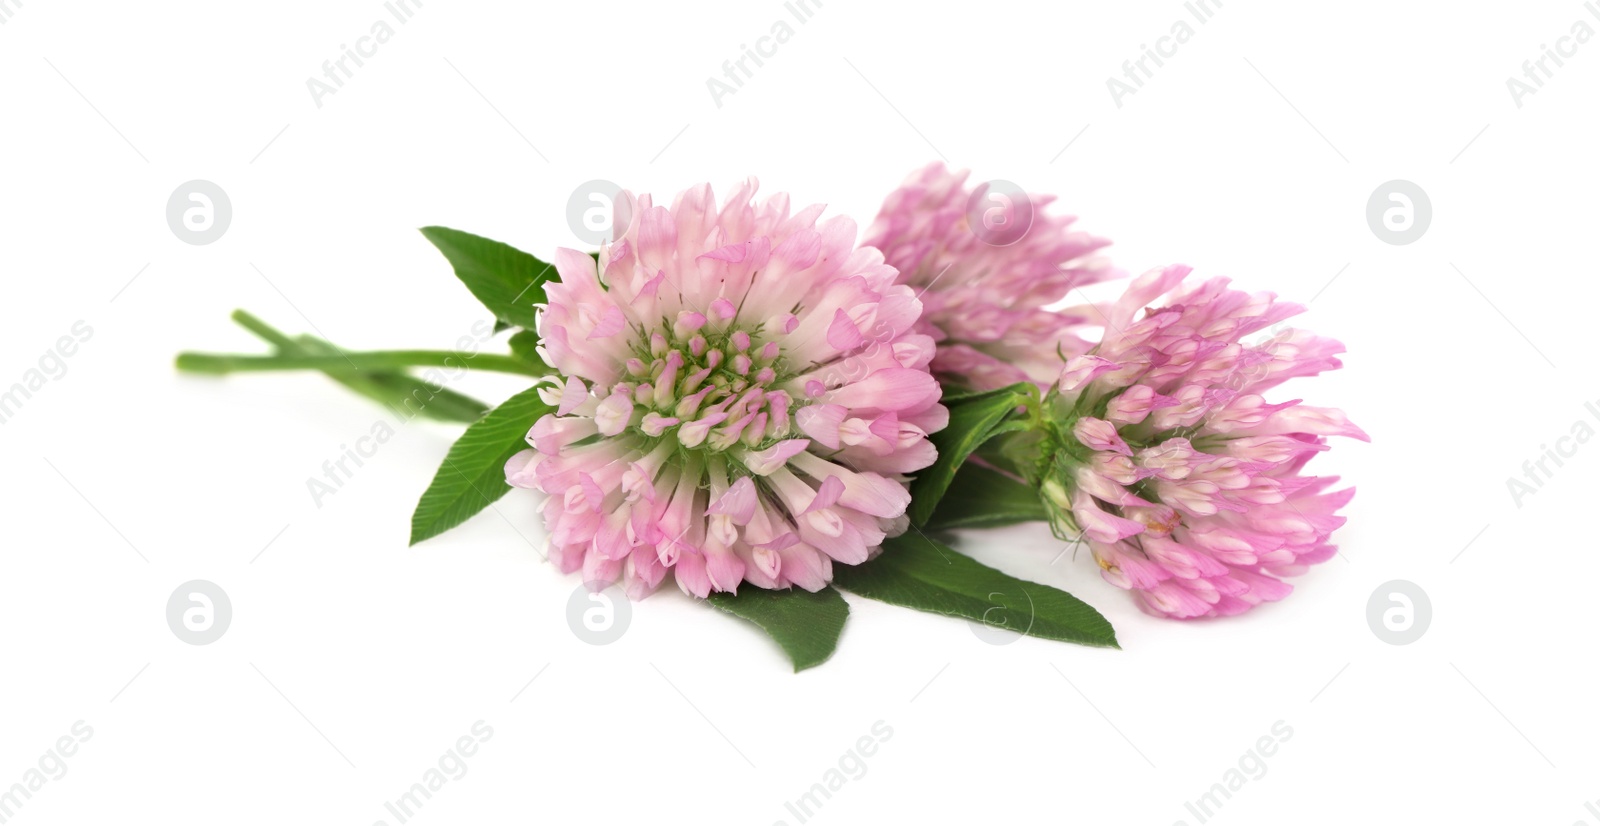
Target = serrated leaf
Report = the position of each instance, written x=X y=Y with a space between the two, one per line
x=979 y=497
x=806 y=625
x=916 y=572
x=507 y=280
x=472 y=476
x=973 y=419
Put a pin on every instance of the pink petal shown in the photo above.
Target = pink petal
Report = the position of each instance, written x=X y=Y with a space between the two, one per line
x=611 y=322
x=821 y=422
x=572 y=395
x=843 y=334
x=895 y=388
x=737 y=502
x=827 y=494
x=764 y=462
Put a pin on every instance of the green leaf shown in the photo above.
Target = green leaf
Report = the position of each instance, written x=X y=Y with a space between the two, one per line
x=916 y=572
x=473 y=476
x=979 y=497
x=806 y=625
x=507 y=280
x=523 y=345
x=973 y=419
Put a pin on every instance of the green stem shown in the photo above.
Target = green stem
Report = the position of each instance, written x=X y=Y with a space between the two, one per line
x=266 y=331
x=394 y=389
x=220 y=363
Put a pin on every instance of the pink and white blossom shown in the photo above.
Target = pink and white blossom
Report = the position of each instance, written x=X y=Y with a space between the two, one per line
x=1187 y=484
x=742 y=393
x=984 y=303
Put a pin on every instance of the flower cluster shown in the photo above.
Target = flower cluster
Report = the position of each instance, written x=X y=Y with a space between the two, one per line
x=743 y=393
x=984 y=293
x=1185 y=481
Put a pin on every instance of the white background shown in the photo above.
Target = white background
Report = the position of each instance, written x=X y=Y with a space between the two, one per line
x=353 y=662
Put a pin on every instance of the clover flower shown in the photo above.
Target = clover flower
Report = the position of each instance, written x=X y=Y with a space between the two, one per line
x=742 y=393
x=1162 y=453
x=984 y=286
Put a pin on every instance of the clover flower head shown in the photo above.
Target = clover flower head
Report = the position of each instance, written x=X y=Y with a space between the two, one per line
x=1185 y=481
x=742 y=393
x=986 y=264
